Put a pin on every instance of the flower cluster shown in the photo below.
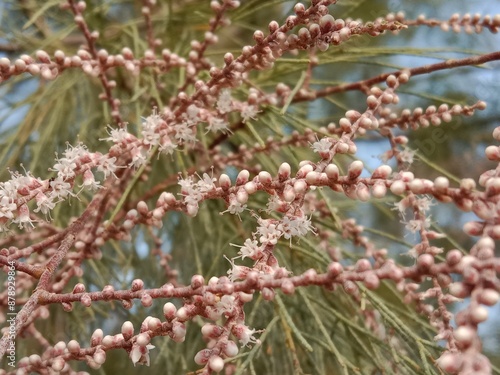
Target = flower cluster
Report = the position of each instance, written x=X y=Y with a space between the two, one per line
x=219 y=137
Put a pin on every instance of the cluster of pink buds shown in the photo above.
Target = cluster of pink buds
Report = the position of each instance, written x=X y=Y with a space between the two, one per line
x=214 y=146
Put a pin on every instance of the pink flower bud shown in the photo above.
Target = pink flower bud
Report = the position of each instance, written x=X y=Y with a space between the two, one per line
x=197 y=281
x=496 y=133
x=450 y=362
x=4 y=63
x=96 y=337
x=79 y=288
x=108 y=291
x=441 y=184
x=326 y=23
x=86 y=300
x=350 y=287
x=488 y=297
x=211 y=330
x=230 y=348
x=58 y=364
x=398 y=187
x=250 y=187
x=355 y=169
x=288 y=287
x=467 y=184
x=202 y=357
x=127 y=330
x=478 y=314
x=459 y=290
x=300 y=187
x=242 y=196
x=192 y=209
x=289 y=194
x=143 y=339
x=453 y=257
x=334 y=269
x=464 y=335
x=284 y=171
x=493 y=153
x=372 y=281
x=268 y=294
x=216 y=363
x=137 y=284
x=154 y=323
x=363 y=193
x=245 y=297
x=43 y=56
x=146 y=300
x=379 y=190
x=169 y=310
x=179 y=332
x=265 y=178
x=304 y=170
x=372 y=101
x=299 y=9
x=99 y=356
x=224 y=181
x=142 y=208
x=425 y=261
x=73 y=346
x=474 y=228
x=313 y=178
x=182 y=314
x=242 y=177
x=417 y=186
x=382 y=172
x=483 y=209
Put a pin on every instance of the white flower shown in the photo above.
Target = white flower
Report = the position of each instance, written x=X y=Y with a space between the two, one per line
x=167 y=146
x=150 y=137
x=24 y=220
x=151 y=122
x=407 y=156
x=206 y=183
x=235 y=207
x=107 y=165
x=418 y=225
x=268 y=230
x=7 y=208
x=244 y=334
x=116 y=135
x=226 y=304
x=184 y=133
x=274 y=204
x=192 y=113
x=139 y=157
x=295 y=226
x=216 y=124
x=140 y=354
x=401 y=206
x=224 y=103
x=44 y=203
x=73 y=153
x=65 y=168
x=324 y=145
x=60 y=188
x=89 y=181
x=9 y=189
x=190 y=191
x=237 y=272
x=248 y=112
x=424 y=203
x=250 y=249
